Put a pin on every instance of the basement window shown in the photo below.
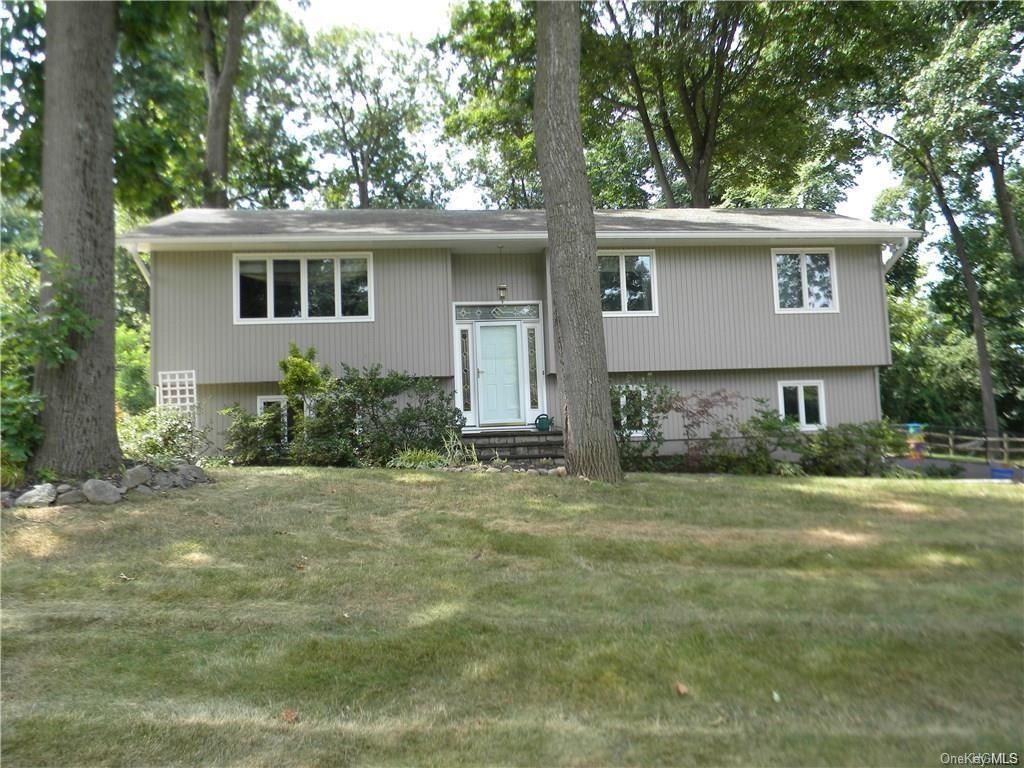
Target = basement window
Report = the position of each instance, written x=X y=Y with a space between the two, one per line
x=803 y=402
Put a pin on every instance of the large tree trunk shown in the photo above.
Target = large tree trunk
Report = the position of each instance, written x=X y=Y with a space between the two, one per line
x=79 y=432
x=590 y=447
x=220 y=78
x=988 y=400
x=1005 y=201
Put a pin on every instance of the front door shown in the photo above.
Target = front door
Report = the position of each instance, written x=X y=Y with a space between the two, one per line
x=499 y=386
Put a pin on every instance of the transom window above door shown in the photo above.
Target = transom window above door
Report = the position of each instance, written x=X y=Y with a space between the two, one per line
x=627 y=282
x=805 y=280
x=306 y=287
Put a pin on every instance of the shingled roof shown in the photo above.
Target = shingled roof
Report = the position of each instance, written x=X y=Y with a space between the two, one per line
x=370 y=226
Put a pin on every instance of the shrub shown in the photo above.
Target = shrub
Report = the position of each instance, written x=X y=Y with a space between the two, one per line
x=253 y=439
x=639 y=409
x=354 y=419
x=851 y=449
x=29 y=338
x=943 y=471
x=765 y=435
x=133 y=389
x=159 y=435
x=699 y=411
x=417 y=458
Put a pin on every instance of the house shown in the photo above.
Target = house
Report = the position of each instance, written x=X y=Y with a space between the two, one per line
x=780 y=305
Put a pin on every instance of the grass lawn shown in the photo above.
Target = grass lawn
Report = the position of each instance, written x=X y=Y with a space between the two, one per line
x=434 y=618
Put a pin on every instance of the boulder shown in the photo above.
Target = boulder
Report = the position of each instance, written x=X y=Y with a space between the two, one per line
x=191 y=473
x=37 y=496
x=74 y=496
x=63 y=488
x=101 y=492
x=560 y=471
x=532 y=471
x=141 y=490
x=164 y=480
x=6 y=499
x=139 y=475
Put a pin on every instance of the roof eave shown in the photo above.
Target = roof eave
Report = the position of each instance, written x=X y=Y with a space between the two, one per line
x=149 y=243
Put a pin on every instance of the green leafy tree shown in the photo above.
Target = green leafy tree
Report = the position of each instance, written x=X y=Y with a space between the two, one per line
x=371 y=100
x=943 y=112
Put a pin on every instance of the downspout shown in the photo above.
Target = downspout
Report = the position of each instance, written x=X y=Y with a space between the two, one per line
x=897 y=251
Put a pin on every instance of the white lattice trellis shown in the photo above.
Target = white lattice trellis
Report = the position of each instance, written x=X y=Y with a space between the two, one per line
x=176 y=389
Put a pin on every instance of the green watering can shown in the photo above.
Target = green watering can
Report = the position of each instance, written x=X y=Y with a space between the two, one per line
x=543 y=423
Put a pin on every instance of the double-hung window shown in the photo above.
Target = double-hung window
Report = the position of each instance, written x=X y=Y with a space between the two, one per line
x=803 y=402
x=805 y=280
x=308 y=287
x=627 y=282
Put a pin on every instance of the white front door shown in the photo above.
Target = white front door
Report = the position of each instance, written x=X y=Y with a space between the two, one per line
x=499 y=384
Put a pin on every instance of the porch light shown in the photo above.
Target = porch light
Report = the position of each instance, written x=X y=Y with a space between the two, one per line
x=502 y=292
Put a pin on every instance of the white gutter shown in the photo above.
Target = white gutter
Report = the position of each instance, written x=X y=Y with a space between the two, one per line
x=898 y=250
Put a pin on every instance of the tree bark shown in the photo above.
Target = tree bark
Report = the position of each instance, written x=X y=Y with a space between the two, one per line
x=590 y=447
x=79 y=431
x=220 y=75
x=1005 y=202
x=988 y=400
x=667 y=193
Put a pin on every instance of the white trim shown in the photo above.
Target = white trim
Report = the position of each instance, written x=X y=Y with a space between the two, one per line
x=176 y=389
x=529 y=414
x=367 y=239
x=261 y=402
x=800 y=384
x=470 y=415
x=642 y=389
x=803 y=252
x=303 y=257
x=622 y=253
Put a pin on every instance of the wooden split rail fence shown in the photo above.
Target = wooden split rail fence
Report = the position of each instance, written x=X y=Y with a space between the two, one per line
x=1002 y=448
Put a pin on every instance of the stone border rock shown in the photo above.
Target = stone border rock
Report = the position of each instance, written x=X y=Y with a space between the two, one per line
x=140 y=480
x=554 y=468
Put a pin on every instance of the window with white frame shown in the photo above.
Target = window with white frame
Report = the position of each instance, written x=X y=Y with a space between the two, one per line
x=176 y=389
x=309 y=287
x=627 y=282
x=629 y=412
x=803 y=402
x=805 y=280
x=277 y=404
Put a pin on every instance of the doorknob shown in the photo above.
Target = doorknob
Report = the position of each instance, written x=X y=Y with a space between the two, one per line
x=478 y=372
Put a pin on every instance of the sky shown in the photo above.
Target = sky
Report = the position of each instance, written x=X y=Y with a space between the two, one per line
x=424 y=19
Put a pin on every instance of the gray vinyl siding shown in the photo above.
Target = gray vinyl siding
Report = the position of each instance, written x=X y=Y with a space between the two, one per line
x=716 y=310
x=477 y=277
x=213 y=398
x=193 y=320
x=850 y=394
x=716 y=313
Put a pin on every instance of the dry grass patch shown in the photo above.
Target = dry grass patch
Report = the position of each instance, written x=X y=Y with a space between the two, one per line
x=323 y=617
